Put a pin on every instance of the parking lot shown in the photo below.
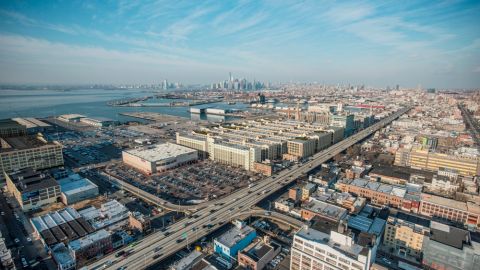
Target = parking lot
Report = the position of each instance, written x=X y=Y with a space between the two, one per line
x=199 y=181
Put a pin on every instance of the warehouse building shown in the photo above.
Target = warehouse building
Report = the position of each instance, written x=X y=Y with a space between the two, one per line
x=10 y=128
x=60 y=226
x=97 y=122
x=72 y=118
x=32 y=189
x=76 y=188
x=34 y=152
x=32 y=125
x=160 y=157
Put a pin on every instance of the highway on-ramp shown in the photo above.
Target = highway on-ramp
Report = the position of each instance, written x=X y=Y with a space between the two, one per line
x=160 y=245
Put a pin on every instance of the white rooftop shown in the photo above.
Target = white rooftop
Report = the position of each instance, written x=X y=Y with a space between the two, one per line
x=88 y=239
x=158 y=152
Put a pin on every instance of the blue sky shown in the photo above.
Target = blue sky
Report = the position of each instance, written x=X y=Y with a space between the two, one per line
x=377 y=43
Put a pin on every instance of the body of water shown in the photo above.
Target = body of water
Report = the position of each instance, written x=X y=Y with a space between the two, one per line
x=89 y=102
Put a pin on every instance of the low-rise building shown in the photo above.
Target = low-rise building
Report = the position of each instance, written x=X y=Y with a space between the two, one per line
x=324 y=210
x=284 y=205
x=63 y=257
x=60 y=226
x=111 y=215
x=140 y=222
x=382 y=194
x=234 y=240
x=33 y=189
x=76 y=188
x=158 y=158
x=91 y=245
x=467 y=213
x=295 y=194
x=258 y=254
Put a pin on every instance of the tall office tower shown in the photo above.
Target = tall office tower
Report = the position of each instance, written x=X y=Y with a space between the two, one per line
x=230 y=77
x=165 y=85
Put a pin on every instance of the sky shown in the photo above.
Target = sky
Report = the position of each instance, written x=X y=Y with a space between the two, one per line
x=376 y=43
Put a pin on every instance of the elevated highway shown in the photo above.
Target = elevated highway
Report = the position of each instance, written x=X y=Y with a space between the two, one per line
x=211 y=215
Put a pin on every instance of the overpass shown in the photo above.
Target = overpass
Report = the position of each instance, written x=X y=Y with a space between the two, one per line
x=214 y=214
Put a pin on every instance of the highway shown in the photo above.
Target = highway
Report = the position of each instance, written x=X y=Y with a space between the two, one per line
x=474 y=127
x=160 y=245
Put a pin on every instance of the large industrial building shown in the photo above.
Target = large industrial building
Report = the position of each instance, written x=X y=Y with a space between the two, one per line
x=60 y=226
x=11 y=128
x=158 y=158
x=34 y=152
x=32 y=189
x=433 y=161
x=32 y=125
x=252 y=142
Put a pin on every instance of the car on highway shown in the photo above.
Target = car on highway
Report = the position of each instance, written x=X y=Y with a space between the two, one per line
x=180 y=240
x=156 y=256
x=120 y=253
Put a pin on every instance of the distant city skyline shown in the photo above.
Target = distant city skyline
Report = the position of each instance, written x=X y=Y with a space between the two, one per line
x=433 y=44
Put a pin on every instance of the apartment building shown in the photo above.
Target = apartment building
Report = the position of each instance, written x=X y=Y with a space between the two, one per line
x=467 y=213
x=32 y=189
x=34 y=152
x=432 y=161
x=405 y=234
x=334 y=250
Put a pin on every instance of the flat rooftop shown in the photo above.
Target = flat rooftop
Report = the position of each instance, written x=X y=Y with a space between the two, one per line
x=74 y=183
x=22 y=143
x=234 y=235
x=258 y=250
x=325 y=209
x=29 y=180
x=30 y=122
x=380 y=187
x=160 y=151
x=323 y=238
x=399 y=172
x=89 y=239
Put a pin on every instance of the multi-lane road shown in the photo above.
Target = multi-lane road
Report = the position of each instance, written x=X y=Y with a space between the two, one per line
x=160 y=245
x=472 y=123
